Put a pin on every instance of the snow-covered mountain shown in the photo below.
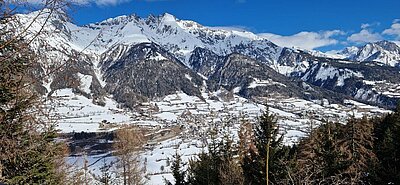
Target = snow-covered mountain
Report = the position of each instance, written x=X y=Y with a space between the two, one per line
x=384 y=52
x=179 y=37
x=66 y=44
x=139 y=59
x=362 y=81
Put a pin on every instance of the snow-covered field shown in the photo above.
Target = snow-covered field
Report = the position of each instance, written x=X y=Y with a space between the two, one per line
x=76 y=113
x=196 y=117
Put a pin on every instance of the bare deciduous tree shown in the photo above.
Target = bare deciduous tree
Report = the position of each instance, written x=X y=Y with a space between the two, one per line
x=230 y=173
x=128 y=143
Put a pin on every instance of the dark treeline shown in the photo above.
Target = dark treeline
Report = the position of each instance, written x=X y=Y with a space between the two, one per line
x=362 y=151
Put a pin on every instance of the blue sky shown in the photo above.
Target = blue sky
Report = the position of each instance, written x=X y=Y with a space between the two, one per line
x=310 y=24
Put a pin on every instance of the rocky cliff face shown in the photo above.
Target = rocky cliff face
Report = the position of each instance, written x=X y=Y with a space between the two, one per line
x=204 y=61
x=147 y=72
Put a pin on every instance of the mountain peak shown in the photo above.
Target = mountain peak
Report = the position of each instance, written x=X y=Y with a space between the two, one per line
x=122 y=19
x=166 y=17
x=55 y=14
x=387 y=45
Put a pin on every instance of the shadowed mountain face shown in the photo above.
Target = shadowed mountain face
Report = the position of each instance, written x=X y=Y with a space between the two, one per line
x=148 y=71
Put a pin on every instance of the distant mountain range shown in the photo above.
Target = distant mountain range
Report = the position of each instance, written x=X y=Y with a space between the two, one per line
x=138 y=59
x=384 y=52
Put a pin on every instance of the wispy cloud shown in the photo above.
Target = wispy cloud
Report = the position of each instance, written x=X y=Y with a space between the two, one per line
x=305 y=40
x=230 y=28
x=365 y=35
x=109 y=2
x=365 y=26
x=241 y=1
x=369 y=25
x=394 y=29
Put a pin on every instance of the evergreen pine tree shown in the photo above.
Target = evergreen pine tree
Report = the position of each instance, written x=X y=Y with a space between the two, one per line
x=229 y=170
x=177 y=172
x=268 y=142
x=320 y=158
x=204 y=170
x=251 y=168
x=358 y=145
x=387 y=149
x=201 y=170
x=217 y=166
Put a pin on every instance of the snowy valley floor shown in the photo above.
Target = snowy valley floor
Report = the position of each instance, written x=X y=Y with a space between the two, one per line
x=194 y=118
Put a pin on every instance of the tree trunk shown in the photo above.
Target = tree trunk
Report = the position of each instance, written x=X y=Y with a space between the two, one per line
x=1 y=172
x=129 y=173
x=124 y=173
x=267 y=162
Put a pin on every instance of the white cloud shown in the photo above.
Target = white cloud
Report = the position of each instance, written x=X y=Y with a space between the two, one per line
x=109 y=2
x=305 y=40
x=230 y=28
x=394 y=29
x=365 y=26
x=364 y=36
x=369 y=25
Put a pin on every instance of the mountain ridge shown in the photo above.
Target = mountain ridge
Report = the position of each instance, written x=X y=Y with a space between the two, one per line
x=95 y=50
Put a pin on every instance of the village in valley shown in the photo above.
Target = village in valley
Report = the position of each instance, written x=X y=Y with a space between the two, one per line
x=183 y=123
